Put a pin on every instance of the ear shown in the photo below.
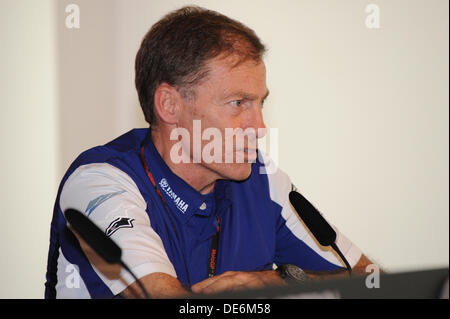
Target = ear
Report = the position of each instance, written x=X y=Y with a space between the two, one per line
x=168 y=103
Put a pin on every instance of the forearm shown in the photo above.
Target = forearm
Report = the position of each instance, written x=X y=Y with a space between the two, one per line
x=158 y=286
x=361 y=266
x=238 y=280
x=358 y=269
x=269 y=278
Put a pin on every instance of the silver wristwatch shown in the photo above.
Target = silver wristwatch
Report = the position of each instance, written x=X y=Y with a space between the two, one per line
x=292 y=274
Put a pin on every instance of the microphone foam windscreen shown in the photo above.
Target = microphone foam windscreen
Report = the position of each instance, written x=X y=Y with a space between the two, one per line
x=104 y=246
x=312 y=218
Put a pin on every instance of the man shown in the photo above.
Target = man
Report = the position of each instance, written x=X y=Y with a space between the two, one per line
x=190 y=217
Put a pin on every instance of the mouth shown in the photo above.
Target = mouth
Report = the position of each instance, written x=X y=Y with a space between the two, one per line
x=250 y=154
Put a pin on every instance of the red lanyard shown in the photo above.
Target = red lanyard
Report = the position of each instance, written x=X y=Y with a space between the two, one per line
x=212 y=260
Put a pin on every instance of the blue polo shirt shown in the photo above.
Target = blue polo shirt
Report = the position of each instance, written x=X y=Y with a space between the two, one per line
x=258 y=227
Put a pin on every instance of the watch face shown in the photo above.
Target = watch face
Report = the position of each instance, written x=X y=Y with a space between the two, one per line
x=296 y=273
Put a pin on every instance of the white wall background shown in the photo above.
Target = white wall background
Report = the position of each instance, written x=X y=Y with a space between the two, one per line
x=362 y=115
x=28 y=143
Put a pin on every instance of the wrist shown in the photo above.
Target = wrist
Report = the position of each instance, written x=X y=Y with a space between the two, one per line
x=271 y=277
x=292 y=274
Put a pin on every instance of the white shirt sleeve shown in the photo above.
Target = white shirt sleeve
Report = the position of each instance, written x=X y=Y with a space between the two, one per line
x=111 y=199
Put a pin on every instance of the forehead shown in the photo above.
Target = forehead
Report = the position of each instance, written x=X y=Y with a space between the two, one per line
x=226 y=76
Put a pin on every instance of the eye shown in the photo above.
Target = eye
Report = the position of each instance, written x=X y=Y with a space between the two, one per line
x=236 y=103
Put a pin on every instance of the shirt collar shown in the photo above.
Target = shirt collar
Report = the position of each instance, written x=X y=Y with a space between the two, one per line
x=181 y=198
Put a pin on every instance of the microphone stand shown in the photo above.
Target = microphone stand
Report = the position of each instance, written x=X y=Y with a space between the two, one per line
x=338 y=251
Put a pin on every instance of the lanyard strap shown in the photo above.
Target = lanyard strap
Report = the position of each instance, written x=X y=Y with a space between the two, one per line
x=212 y=260
x=152 y=180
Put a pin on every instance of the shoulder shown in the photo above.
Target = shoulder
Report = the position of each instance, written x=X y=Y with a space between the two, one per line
x=117 y=153
x=90 y=185
x=105 y=168
x=120 y=147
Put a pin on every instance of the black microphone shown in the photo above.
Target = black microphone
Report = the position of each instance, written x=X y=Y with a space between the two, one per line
x=104 y=246
x=315 y=222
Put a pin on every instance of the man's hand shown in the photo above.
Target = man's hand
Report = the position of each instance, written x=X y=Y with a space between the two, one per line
x=238 y=280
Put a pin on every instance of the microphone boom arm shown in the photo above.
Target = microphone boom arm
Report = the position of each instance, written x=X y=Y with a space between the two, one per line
x=338 y=251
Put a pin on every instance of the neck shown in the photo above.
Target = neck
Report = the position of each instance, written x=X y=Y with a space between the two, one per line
x=195 y=174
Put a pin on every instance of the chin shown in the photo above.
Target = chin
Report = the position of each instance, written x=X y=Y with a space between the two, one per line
x=238 y=172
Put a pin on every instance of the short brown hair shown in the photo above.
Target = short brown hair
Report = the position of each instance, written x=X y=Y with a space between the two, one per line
x=177 y=47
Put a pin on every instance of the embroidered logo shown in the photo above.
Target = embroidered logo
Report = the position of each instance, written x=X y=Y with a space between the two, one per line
x=163 y=183
x=179 y=203
x=120 y=222
x=93 y=204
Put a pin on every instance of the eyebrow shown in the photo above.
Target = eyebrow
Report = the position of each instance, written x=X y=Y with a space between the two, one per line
x=246 y=95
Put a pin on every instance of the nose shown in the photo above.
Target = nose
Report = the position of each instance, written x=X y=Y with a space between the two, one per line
x=257 y=122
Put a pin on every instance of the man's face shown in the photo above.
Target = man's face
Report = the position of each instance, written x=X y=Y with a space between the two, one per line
x=230 y=98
